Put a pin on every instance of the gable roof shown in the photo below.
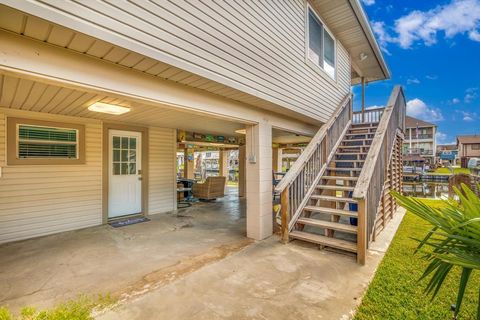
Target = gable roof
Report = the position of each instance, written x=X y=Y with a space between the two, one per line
x=411 y=122
x=468 y=139
x=446 y=147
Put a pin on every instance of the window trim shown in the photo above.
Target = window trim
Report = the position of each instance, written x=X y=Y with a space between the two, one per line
x=13 y=139
x=307 y=45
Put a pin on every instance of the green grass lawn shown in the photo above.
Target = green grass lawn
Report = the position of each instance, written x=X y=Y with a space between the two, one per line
x=78 y=309
x=232 y=183
x=447 y=171
x=395 y=292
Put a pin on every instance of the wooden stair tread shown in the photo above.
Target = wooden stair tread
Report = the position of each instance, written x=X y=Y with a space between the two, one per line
x=323 y=240
x=343 y=169
x=357 y=140
x=347 y=160
x=332 y=198
x=335 y=187
x=340 y=178
x=328 y=225
x=326 y=210
x=353 y=147
x=350 y=153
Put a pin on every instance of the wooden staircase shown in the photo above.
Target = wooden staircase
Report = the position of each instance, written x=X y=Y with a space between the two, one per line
x=337 y=193
x=329 y=218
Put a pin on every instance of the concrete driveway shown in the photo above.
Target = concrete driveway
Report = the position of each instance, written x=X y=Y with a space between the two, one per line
x=266 y=280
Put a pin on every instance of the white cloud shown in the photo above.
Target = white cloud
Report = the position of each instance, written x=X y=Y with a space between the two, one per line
x=455 y=101
x=413 y=81
x=457 y=17
x=469 y=116
x=374 y=107
x=441 y=137
x=431 y=77
x=368 y=2
x=470 y=95
x=383 y=37
x=419 y=109
x=474 y=35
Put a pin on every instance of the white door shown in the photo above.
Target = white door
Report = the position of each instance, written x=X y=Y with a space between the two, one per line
x=125 y=173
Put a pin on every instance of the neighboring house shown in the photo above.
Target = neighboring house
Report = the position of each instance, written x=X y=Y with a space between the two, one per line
x=420 y=139
x=468 y=147
x=447 y=153
x=92 y=95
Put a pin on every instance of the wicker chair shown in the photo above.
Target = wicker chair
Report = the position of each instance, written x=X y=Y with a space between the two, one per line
x=211 y=189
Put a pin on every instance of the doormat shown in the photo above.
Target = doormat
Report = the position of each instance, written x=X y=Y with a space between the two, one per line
x=126 y=222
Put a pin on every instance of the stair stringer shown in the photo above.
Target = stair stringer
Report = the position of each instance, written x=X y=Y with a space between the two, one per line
x=387 y=187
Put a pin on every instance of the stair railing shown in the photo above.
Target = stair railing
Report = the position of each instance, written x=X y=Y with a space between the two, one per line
x=369 y=188
x=298 y=184
x=369 y=116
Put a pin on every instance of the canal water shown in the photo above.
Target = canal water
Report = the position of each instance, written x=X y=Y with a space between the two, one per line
x=422 y=189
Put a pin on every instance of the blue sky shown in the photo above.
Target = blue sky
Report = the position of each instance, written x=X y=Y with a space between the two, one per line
x=433 y=49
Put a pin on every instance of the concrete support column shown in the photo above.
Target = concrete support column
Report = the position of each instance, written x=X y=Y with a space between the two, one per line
x=189 y=164
x=259 y=180
x=277 y=159
x=241 y=171
x=223 y=163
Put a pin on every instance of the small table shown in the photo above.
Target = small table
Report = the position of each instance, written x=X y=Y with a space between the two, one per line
x=183 y=203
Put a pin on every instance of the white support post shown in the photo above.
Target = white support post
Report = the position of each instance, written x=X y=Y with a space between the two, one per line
x=259 y=181
x=223 y=163
x=277 y=159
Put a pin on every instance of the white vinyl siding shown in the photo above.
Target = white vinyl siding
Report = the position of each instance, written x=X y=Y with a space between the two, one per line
x=161 y=166
x=37 y=200
x=257 y=47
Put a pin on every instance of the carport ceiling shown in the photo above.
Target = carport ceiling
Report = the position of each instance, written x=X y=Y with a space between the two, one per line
x=31 y=95
x=35 y=28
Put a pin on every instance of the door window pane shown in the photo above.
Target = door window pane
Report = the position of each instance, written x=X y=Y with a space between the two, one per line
x=116 y=169
x=133 y=143
x=132 y=168
x=116 y=155
x=124 y=142
x=124 y=168
x=124 y=155
x=132 y=156
x=116 y=142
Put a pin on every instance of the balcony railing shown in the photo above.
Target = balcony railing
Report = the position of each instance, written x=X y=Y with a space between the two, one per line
x=423 y=152
x=421 y=136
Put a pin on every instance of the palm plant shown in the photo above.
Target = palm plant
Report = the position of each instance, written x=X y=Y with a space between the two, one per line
x=454 y=240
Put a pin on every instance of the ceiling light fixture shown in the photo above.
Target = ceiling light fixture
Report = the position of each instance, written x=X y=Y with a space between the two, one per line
x=108 y=108
x=363 y=56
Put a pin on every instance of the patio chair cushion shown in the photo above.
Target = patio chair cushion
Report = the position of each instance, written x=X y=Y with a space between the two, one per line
x=212 y=188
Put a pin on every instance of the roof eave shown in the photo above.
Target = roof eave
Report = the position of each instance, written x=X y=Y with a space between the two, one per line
x=363 y=20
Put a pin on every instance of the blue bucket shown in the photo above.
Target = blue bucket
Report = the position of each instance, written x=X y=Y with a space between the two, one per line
x=353 y=207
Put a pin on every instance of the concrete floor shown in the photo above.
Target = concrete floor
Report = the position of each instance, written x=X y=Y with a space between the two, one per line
x=121 y=261
x=266 y=280
x=196 y=263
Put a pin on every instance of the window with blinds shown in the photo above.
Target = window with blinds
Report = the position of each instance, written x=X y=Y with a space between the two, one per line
x=321 y=44
x=46 y=142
